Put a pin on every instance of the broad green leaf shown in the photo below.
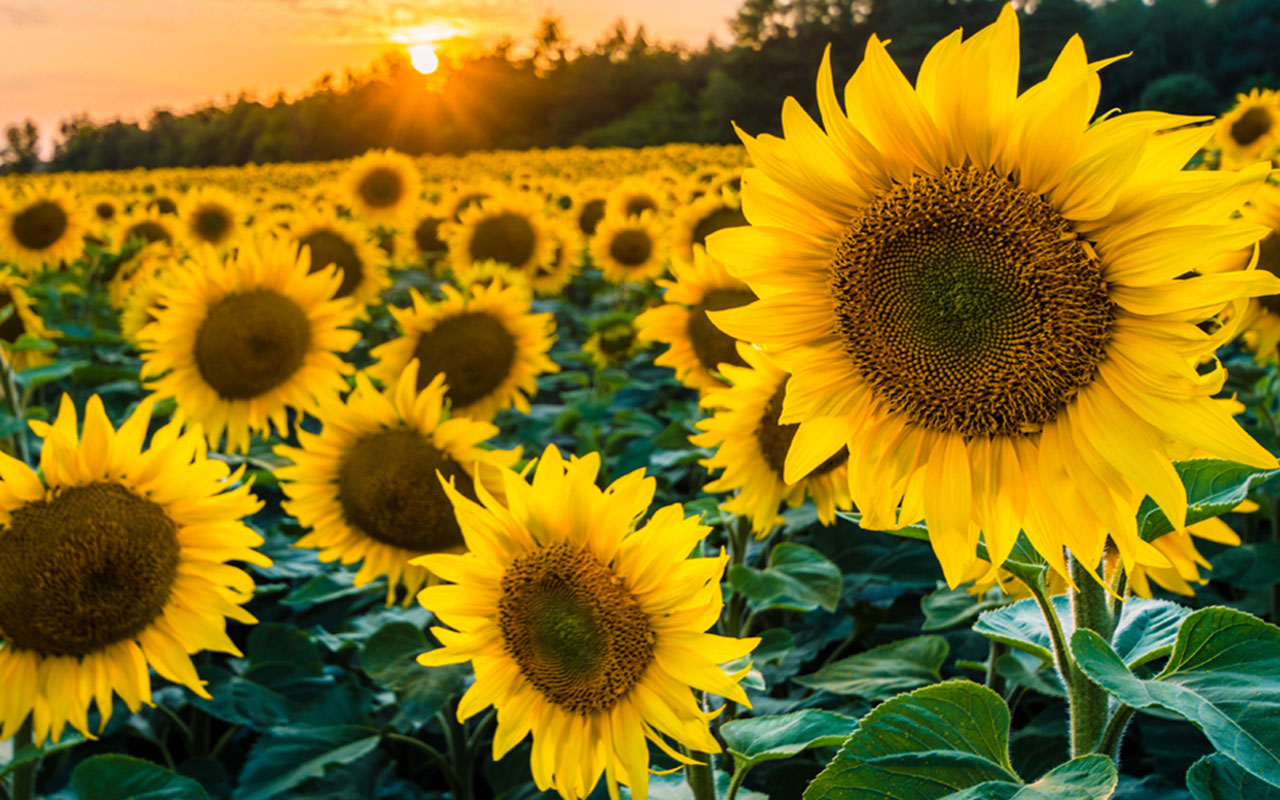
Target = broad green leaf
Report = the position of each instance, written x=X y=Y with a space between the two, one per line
x=798 y=578
x=922 y=746
x=35 y=377
x=242 y=701
x=946 y=608
x=1091 y=777
x=1145 y=631
x=119 y=777
x=1249 y=566
x=758 y=739
x=1223 y=675
x=883 y=671
x=1217 y=777
x=390 y=658
x=1214 y=487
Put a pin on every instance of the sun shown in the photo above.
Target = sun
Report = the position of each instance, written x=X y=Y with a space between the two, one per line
x=424 y=57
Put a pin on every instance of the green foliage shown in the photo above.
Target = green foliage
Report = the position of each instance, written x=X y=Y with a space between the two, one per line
x=1217 y=777
x=119 y=777
x=1214 y=487
x=758 y=739
x=798 y=578
x=883 y=671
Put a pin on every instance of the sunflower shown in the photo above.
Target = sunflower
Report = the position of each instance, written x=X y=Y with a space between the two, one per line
x=633 y=197
x=425 y=243
x=582 y=628
x=510 y=229
x=549 y=279
x=465 y=197
x=141 y=305
x=102 y=211
x=147 y=229
x=210 y=216
x=484 y=273
x=22 y=319
x=1262 y=321
x=1250 y=131
x=41 y=228
x=986 y=298
x=334 y=241
x=240 y=342
x=1185 y=560
x=382 y=184
x=751 y=448
x=365 y=485
x=697 y=348
x=629 y=249
x=112 y=560
x=693 y=223
x=490 y=348
x=614 y=340
x=589 y=212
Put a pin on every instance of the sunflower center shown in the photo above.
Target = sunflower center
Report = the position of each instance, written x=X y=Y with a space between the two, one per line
x=212 y=223
x=475 y=351
x=774 y=439
x=388 y=488
x=574 y=630
x=328 y=247
x=163 y=205
x=969 y=305
x=90 y=567
x=590 y=215
x=12 y=327
x=507 y=238
x=427 y=236
x=616 y=340
x=104 y=211
x=251 y=342
x=720 y=218
x=631 y=247
x=711 y=345
x=1268 y=259
x=1252 y=126
x=637 y=204
x=381 y=187
x=39 y=225
x=148 y=232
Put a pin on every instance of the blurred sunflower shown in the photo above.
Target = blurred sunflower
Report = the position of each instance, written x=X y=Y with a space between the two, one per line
x=102 y=211
x=346 y=244
x=629 y=249
x=1262 y=321
x=589 y=212
x=697 y=348
x=633 y=197
x=240 y=342
x=164 y=203
x=211 y=216
x=1250 y=131
x=147 y=229
x=426 y=245
x=466 y=197
x=366 y=485
x=984 y=297
x=42 y=228
x=112 y=560
x=613 y=340
x=696 y=221
x=549 y=278
x=382 y=184
x=141 y=305
x=485 y=273
x=22 y=318
x=582 y=628
x=509 y=228
x=487 y=344
x=751 y=448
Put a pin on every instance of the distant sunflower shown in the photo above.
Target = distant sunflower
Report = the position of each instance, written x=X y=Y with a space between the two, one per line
x=148 y=229
x=583 y=628
x=697 y=347
x=613 y=341
x=366 y=485
x=426 y=245
x=141 y=305
x=510 y=229
x=1185 y=560
x=103 y=209
x=382 y=184
x=1262 y=320
x=1250 y=131
x=164 y=203
x=635 y=196
x=693 y=223
x=485 y=273
x=112 y=561
x=334 y=241
x=42 y=228
x=240 y=342
x=751 y=448
x=22 y=318
x=466 y=197
x=985 y=297
x=589 y=212
x=629 y=249
x=549 y=278
x=213 y=217
x=490 y=348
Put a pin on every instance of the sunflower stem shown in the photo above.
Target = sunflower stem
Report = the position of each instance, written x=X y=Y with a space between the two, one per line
x=1090 y=609
x=1061 y=655
x=701 y=777
x=735 y=782
x=24 y=775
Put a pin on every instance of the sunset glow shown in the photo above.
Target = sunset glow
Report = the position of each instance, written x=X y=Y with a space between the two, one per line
x=423 y=57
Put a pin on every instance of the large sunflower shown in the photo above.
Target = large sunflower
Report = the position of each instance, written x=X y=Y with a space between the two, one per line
x=751 y=447
x=508 y=228
x=42 y=228
x=490 y=348
x=240 y=342
x=629 y=249
x=382 y=185
x=697 y=348
x=1250 y=131
x=583 y=629
x=112 y=560
x=986 y=298
x=22 y=318
x=365 y=485
x=346 y=244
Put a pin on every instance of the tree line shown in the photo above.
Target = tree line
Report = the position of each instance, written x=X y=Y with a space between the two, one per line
x=1188 y=56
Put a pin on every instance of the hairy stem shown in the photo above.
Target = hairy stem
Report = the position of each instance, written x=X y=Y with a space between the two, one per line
x=1091 y=610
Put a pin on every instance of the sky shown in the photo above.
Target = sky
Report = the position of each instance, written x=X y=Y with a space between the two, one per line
x=110 y=58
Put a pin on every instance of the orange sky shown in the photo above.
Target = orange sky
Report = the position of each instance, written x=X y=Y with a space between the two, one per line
x=125 y=57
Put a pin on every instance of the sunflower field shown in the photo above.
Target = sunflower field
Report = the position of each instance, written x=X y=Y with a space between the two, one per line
x=926 y=451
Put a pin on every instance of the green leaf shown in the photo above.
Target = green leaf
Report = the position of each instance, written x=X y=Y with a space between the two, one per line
x=1214 y=487
x=922 y=746
x=758 y=739
x=1250 y=566
x=1146 y=629
x=35 y=377
x=946 y=608
x=1217 y=777
x=390 y=658
x=1223 y=675
x=885 y=670
x=119 y=777
x=798 y=578
x=30 y=752
x=1091 y=777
